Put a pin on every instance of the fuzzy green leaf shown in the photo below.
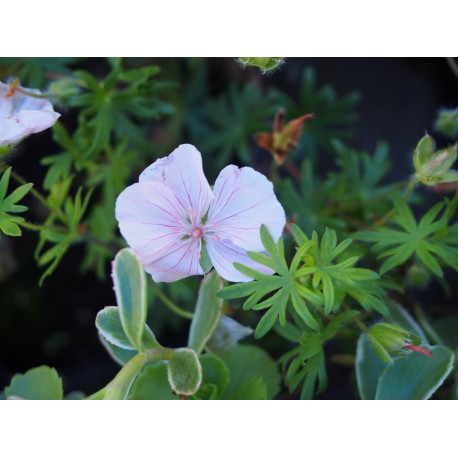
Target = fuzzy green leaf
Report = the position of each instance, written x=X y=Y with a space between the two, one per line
x=208 y=312
x=130 y=288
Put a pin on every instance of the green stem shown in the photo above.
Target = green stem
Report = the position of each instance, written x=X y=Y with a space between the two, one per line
x=33 y=94
x=159 y=354
x=392 y=212
x=40 y=227
x=173 y=307
x=119 y=387
x=362 y=327
x=107 y=245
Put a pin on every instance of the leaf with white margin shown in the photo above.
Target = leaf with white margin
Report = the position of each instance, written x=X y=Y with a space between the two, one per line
x=416 y=376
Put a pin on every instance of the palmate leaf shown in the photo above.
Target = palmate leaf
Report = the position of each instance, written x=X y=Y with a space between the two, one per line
x=72 y=215
x=321 y=268
x=113 y=105
x=33 y=71
x=334 y=116
x=309 y=202
x=8 y=205
x=234 y=117
x=357 y=186
x=430 y=239
x=288 y=289
x=306 y=362
x=312 y=279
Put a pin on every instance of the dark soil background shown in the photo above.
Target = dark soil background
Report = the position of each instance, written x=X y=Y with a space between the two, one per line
x=54 y=324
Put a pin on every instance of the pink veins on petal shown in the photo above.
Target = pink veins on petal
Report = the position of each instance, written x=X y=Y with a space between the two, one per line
x=167 y=215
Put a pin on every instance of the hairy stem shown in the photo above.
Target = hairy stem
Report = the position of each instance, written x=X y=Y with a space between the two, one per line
x=357 y=320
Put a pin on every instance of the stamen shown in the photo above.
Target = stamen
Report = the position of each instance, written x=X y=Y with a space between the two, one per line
x=12 y=89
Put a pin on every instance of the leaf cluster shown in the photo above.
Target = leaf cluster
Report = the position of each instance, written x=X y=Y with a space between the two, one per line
x=306 y=361
x=9 y=205
x=431 y=240
x=312 y=286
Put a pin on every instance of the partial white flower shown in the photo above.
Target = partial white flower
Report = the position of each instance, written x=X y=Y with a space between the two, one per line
x=22 y=115
x=172 y=214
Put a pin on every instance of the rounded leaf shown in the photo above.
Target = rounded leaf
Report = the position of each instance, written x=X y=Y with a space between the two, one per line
x=39 y=383
x=184 y=371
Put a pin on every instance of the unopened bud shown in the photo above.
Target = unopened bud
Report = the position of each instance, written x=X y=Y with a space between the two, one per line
x=265 y=64
x=434 y=167
x=418 y=276
x=63 y=89
x=447 y=122
x=388 y=339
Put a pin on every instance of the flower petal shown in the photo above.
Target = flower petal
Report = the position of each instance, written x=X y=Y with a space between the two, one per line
x=182 y=172
x=22 y=115
x=10 y=131
x=176 y=261
x=149 y=219
x=33 y=122
x=244 y=200
x=223 y=254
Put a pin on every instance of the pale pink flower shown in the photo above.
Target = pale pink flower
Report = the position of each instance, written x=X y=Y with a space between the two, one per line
x=22 y=115
x=172 y=212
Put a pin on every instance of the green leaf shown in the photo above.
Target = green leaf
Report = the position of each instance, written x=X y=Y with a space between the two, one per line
x=423 y=152
x=119 y=355
x=205 y=261
x=39 y=383
x=184 y=371
x=130 y=288
x=247 y=361
x=108 y=323
x=369 y=368
x=215 y=372
x=416 y=376
x=9 y=205
x=207 y=313
x=152 y=384
x=206 y=392
x=428 y=239
x=402 y=317
x=253 y=389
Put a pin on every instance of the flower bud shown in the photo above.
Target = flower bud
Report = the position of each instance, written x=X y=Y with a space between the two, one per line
x=434 y=167
x=388 y=339
x=447 y=122
x=265 y=64
x=283 y=139
x=418 y=276
x=63 y=89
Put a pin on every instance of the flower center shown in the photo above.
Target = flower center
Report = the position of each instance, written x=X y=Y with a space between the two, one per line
x=197 y=232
